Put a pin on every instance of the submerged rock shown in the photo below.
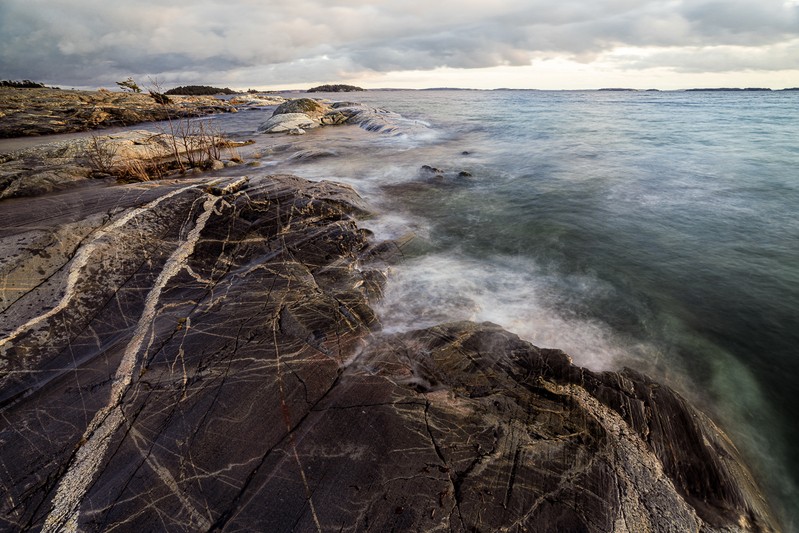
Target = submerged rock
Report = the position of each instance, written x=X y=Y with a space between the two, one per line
x=202 y=355
x=430 y=169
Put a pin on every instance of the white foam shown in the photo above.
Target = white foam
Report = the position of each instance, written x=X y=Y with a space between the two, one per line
x=428 y=290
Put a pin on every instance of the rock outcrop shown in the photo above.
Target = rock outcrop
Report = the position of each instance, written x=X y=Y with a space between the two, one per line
x=518 y=438
x=299 y=113
x=306 y=113
x=175 y=335
x=202 y=355
x=26 y=112
x=130 y=155
x=370 y=118
x=257 y=100
x=285 y=122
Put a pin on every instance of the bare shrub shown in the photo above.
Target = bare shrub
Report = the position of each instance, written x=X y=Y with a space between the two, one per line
x=104 y=161
x=101 y=156
x=193 y=143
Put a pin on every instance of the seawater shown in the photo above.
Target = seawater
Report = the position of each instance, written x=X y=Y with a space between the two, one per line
x=656 y=230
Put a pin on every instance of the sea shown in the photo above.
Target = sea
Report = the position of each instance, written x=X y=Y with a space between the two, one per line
x=643 y=229
x=653 y=230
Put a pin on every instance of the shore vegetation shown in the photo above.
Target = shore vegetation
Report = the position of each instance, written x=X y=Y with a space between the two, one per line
x=336 y=88
x=23 y=84
x=199 y=90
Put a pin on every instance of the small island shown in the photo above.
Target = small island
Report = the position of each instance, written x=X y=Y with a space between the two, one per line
x=199 y=90
x=336 y=88
x=729 y=89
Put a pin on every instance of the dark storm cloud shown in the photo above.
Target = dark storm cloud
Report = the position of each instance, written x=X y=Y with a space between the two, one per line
x=96 y=42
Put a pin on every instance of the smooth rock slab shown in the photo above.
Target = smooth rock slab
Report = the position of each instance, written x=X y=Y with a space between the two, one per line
x=44 y=111
x=286 y=122
x=62 y=165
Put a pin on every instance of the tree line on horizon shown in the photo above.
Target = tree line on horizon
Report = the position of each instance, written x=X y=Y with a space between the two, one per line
x=335 y=88
x=22 y=84
x=199 y=90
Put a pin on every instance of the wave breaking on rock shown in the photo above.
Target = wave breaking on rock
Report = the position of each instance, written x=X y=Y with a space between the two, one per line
x=210 y=345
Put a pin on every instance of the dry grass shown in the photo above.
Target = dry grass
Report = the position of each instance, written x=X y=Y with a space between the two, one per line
x=191 y=143
x=104 y=160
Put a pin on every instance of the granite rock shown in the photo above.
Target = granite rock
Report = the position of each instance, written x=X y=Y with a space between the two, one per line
x=286 y=122
x=257 y=100
x=44 y=111
x=201 y=355
x=313 y=108
x=65 y=164
x=159 y=343
x=517 y=438
x=370 y=118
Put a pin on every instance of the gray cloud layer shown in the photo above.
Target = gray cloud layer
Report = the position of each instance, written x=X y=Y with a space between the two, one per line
x=94 y=42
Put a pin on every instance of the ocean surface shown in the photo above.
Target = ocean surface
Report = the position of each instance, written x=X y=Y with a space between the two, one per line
x=655 y=230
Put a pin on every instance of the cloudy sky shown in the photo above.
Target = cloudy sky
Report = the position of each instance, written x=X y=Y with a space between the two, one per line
x=278 y=44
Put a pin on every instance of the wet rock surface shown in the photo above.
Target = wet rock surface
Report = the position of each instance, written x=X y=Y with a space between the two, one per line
x=172 y=337
x=25 y=112
x=202 y=355
x=307 y=113
x=519 y=439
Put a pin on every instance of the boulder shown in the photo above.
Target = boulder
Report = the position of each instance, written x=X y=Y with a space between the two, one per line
x=286 y=122
x=312 y=108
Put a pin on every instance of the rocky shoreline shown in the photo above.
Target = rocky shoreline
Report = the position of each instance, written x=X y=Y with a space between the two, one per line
x=202 y=353
x=26 y=112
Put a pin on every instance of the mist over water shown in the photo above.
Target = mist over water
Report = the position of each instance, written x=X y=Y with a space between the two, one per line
x=651 y=230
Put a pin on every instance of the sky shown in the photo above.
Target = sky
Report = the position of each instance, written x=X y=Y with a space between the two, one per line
x=483 y=44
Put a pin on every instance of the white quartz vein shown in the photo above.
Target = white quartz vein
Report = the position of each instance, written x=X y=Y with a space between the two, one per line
x=75 y=482
x=81 y=259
